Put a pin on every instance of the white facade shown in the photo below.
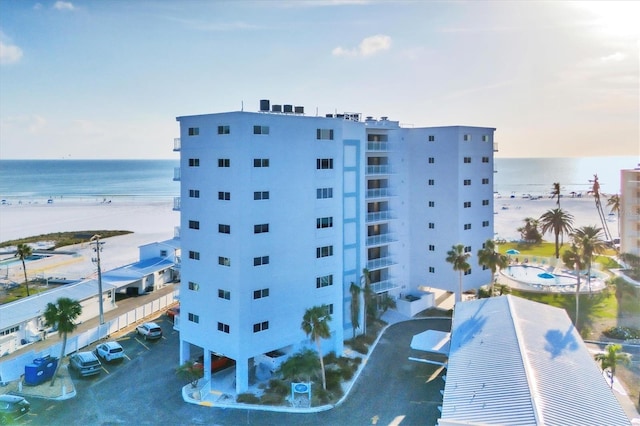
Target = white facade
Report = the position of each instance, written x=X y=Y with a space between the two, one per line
x=630 y=211
x=281 y=212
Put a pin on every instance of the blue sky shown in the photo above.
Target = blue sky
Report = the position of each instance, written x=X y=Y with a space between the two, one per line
x=106 y=79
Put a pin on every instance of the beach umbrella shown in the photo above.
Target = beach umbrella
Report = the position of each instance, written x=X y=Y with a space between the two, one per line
x=546 y=275
x=513 y=251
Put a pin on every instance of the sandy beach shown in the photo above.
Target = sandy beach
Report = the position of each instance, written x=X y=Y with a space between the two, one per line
x=156 y=219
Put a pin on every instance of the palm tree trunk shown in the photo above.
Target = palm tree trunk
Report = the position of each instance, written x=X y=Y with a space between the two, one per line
x=64 y=346
x=26 y=281
x=324 y=380
x=460 y=289
x=577 y=298
x=557 y=247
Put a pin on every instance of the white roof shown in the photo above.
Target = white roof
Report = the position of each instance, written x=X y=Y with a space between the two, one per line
x=517 y=362
x=432 y=341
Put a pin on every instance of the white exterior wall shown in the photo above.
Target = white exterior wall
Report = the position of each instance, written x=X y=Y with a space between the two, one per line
x=630 y=211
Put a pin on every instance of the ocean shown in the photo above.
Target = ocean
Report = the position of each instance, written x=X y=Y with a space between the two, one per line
x=103 y=180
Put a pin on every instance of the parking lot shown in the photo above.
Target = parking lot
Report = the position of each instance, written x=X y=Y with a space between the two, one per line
x=143 y=388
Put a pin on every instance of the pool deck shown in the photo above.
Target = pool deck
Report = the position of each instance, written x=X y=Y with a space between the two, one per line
x=597 y=284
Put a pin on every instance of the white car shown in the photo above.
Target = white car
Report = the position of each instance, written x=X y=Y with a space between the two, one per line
x=110 y=351
x=150 y=330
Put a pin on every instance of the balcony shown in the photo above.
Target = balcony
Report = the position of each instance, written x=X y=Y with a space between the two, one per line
x=378 y=146
x=379 y=193
x=176 y=173
x=176 y=204
x=377 y=240
x=176 y=232
x=176 y=144
x=383 y=169
x=382 y=286
x=379 y=216
x=379 y=263
x=495 y=147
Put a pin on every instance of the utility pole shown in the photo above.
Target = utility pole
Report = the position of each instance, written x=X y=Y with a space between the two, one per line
x=98 y=248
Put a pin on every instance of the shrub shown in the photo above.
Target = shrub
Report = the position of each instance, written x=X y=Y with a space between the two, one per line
x=334 y=378
x=278 y=387
x=247 y=398
x=622 y=333
x=272 y=399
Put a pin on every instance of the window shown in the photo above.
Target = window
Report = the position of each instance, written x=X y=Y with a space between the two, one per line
x=324 y=193
x=431 y=138
x=325 y=281
x=467 y=272
x=485 y=138
x=195 y=255
x=223 y=327
x=324 y=134
x=260 y=260
x=467 y=182
x=224 y=261
x=194 y=318
x=224 y=130
x=10 y=330
x=194 y=131
x=485 y=181
x=325 y=251
x=432 y=247
x=466 y=137
x=467 y=160
x=324 y=222
x=432 y=225
x=467 y=204
x=261 y=326
x=485 y=159
x=224 y=162
x=259 y=229
x=224 y=229
x=260 y=162
x=194 y=224
x=485 y=202
x=163 y=253
x=432 y=182
x=432 y=160
x=226 y=196
x=432 y=270
x=224 y=294
x=467 y=249
x=467 y=226
x=377 y=138
x=329 y=309
x=432 y=203
x=261 y=195
x=194 y=286
x=260 y=294
x=260 y=130
x=194 y=193
x=485 y=223
x=194 y=162
x=324 y=163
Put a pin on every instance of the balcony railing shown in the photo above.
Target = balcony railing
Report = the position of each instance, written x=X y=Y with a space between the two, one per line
x=381 y=262
x=176 y=173
x=378 y=146
x=379 y=193
x=495 y=147
x=176 y=144
x=382 y=286
x=376 y=240
x=379 y=216
x=176 y=203
x=383 y=169
x=176 y=232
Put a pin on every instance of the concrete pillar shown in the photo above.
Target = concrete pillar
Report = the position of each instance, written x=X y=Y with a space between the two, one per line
x=185 y=351
x=242 y=375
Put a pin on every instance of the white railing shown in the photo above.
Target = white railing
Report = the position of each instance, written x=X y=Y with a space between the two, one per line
x=176 y=144
x=378 y=146
x=176 y=173
x=176 y=203
x=379 y=216
x=378 y=193
x=381 y=169
x=382 y=286
x=380 y=263
x=374 y=240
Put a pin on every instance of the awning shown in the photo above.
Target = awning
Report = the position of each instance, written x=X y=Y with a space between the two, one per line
x=432 y=341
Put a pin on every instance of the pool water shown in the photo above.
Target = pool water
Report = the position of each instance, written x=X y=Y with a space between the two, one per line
x=15 y=261
x=529 y=275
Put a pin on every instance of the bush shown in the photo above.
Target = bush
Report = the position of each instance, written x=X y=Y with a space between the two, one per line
x=247 y=398
x=271 y=399
x=278 y=387
x=622 y=333
x=334 y=378
x=359 y=345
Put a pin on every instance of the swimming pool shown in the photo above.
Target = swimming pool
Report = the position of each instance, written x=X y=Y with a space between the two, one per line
x=13 y=261
x=529 y=275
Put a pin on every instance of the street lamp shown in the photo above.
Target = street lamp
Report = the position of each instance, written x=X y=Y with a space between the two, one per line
x=98 y=248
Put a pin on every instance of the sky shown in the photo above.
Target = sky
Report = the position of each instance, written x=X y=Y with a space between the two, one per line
x=106 y=79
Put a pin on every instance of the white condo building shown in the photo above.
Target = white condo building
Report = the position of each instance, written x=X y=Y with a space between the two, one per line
x=630 y=211
x=281 y=211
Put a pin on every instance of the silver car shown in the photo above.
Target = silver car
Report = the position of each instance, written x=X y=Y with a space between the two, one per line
x=150 y=330
x=109 y=351
x=85 y=364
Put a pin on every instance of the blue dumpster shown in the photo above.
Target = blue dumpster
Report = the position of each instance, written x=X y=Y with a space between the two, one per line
x=50 y=364
x=40 y=370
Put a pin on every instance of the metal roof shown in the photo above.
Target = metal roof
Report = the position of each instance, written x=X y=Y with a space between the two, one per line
x=517 y=362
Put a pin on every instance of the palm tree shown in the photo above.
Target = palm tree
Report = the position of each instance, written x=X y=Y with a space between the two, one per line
x=489 y=257
x=370 y=307
x=613 y=203
x=23 y=251
x=315 y=323
x=529 y=232
x=458 y=258
x=595 y=190
x=611 y=357
x=355 y=307
x=557 y=221
x=589 y=240
x=555 y=192
x=573 y=258
x=63 y=314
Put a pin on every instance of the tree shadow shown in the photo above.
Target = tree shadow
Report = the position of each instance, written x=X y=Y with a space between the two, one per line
x=469 y=328
x=558 y=342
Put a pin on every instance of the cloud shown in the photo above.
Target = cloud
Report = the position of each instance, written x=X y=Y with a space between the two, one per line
x=616 y=57
x=367 y=47
x=9 y=53
x=63 y=5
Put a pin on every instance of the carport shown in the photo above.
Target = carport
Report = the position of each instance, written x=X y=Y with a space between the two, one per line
x=432 y=341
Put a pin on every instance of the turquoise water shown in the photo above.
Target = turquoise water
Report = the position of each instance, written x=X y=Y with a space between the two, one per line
x=529 y=275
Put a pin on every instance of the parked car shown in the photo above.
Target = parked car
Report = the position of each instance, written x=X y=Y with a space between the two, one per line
x=218 y=362
x=173 y=311
x=150 y=330
x=12 y=407
x=85 y=364
x=110 y=351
